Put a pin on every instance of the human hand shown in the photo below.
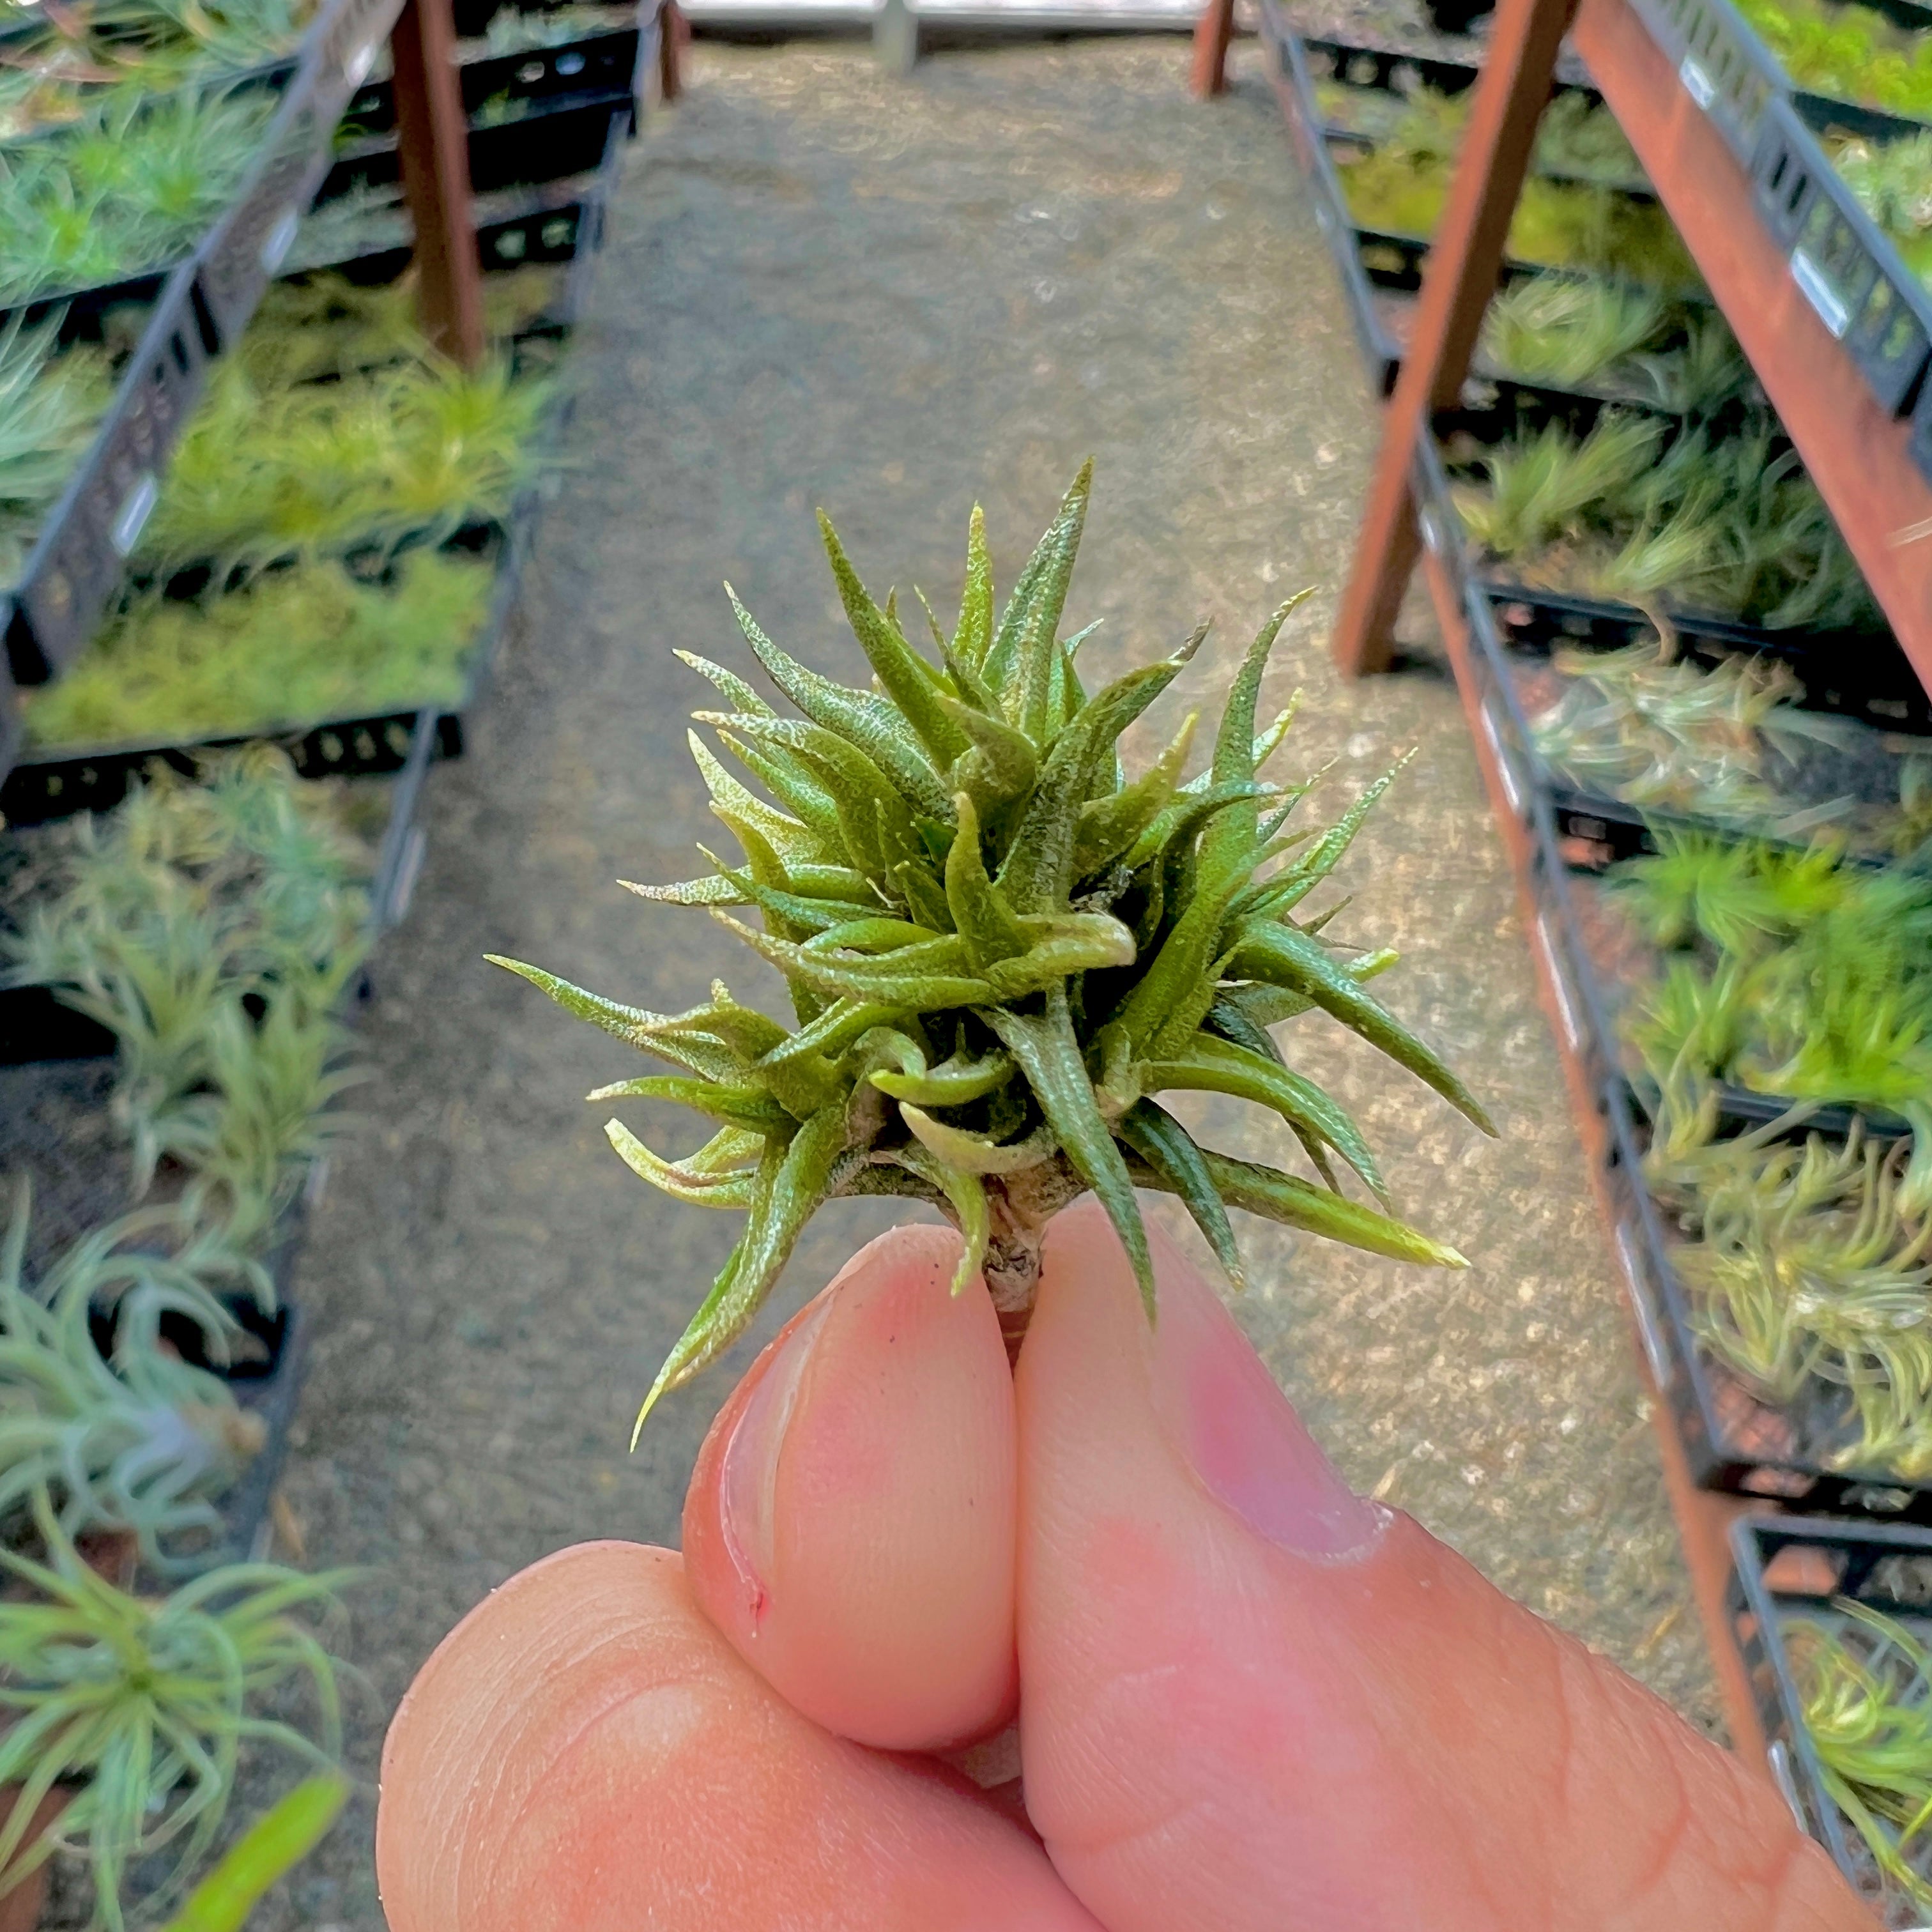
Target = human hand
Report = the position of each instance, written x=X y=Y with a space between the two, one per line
x=1247 y=1700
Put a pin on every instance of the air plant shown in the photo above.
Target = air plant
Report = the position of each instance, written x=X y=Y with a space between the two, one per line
x=49 y=405
x=1728 y=744
x=292 y=648
x=1698 y=521
x=213 y=929
x=144 y=1705
x=1893 y=182
x=999 y=948
x=412 y=449
x=1864 y=1685
x=1557 y=224
x=135 y=1440
x=1806 y=1274
x=1568 y=329
x=512 y=29
x=128 y=188
x=1790 y=972
x=1854 y=53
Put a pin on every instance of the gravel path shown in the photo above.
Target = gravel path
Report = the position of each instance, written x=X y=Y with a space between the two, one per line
x=825 y=287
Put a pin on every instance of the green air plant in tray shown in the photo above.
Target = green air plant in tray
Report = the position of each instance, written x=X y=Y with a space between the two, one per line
x=62 y=59
x=1808 y=1275
x=1893 y=182
x=1723 y=524
x=127 y=189
x=1795 y=974
x=213 y=929
x=1000 y=947
x=1619 y=340
x=1851 y=53
x=1730 y=744
x=144 y=1706
x=50 y=405
x=134 y=1440
x=1864 y=1687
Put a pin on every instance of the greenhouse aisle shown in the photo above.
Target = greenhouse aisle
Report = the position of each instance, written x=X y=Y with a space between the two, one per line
x=826 y=286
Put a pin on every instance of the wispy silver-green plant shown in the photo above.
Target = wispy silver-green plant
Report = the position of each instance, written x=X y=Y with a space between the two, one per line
x=145 y=1705
x=137 y=1440
x=999 y=949
x=49 y=406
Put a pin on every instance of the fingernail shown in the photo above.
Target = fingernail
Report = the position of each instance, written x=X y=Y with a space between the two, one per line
x=748 y=1476
x=1236 y=1428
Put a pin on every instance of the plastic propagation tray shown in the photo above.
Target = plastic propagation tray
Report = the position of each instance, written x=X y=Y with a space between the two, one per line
x=76 y=566
x=1788 y=1567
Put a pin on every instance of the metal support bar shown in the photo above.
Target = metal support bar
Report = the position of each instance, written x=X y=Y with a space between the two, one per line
x=432 y=136
x=1212 y=32
x=1464 y=261
x=895 y=36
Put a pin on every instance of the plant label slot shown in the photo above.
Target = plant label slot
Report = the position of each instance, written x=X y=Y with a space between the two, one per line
x=1779 y=1758
x=136 y=508
x=1697 y=83
x=1641 y=1311
x=280 y=239
x=1818 y=291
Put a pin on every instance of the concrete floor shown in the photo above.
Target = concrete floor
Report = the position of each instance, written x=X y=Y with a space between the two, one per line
x=823 y=286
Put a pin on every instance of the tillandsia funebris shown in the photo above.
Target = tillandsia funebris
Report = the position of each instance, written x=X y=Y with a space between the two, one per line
x=999 y=949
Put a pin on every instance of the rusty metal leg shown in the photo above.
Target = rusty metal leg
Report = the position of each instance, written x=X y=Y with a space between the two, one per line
x=1212 y=32
x=674 y=36
x=1464 y=259
x=434 y=138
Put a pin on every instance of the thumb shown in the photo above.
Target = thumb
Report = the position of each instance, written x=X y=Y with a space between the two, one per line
x=1250 y=1699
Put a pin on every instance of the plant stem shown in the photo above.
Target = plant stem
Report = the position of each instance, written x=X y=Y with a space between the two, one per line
x=1022 y=1205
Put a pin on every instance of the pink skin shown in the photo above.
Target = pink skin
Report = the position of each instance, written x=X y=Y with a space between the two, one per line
x=1249 y=1702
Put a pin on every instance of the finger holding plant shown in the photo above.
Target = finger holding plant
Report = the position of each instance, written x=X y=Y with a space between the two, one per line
x=999 y=949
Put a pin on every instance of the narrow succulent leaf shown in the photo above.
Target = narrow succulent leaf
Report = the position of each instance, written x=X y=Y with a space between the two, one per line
x=907 y=679
x=1280 y=1197
x=737 y=1106
x=953 y=1083
x=718 y=890
x=1270 y=740
x=924 y=989
x=862 y=796
x=732 y=688
x=1067 y=698
x=793 y=783
x=1037 y=875
x=1019 y=664
x=1108 y=827
x=797 y=909
x=980 y=914
x=634 y=1025
x=1001 y=763
x=965 y=1196
x=1184 y=815
x=1050 y=1057
x=722 y=1190
x=1161 y=1140
x=872 y=726
x=1298 y=880
x=790 y=836
x=974 y=637
x=1075 y=942
x=1232 y=1021
x=743 y=1028
x=1216 y=1065
x=974 y=1153
x=1283 y=956
x=925 y=898
x=1234 y=742
x=940 y=641
x=873 y=933
x=788 y=1191
x=1266 y=1006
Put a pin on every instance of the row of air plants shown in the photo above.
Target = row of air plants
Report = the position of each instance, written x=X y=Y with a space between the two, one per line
x=1731 y=744
x=1621 y=340
x=214 y=928
x=1400 y=185
x=1578 y=138
x=50 y=405
x=1789 y=973
x=1864 y=1681
x=60 y=61
x=1687 y=519
x=1851 y=53
x=1806 y=1264
x=1893 y=183
x=127 y=188
x=298 y=568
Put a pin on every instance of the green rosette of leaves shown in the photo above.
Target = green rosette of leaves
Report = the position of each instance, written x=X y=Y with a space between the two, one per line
x=1000 y=949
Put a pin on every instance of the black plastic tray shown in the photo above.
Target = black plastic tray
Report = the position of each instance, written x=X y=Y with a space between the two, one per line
x=1796 y=1565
